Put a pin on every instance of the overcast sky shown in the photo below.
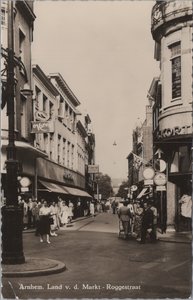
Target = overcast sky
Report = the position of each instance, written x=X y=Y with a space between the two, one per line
x=105 y=52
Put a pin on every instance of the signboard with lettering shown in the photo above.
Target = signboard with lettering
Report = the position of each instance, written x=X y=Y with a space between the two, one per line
x=176 y=77
x=42 y=126
x=93 y=169
x=160 y=188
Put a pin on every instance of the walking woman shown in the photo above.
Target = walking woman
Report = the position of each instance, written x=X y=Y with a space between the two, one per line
x=138 y=221
x=44 y=223
x=64 y=213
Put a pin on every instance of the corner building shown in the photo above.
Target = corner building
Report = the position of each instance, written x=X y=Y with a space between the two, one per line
x=172 y=112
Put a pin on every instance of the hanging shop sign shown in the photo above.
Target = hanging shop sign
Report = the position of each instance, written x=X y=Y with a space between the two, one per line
x=42 y=126
x=93 y=169
x=25 y=182
x=175 y=131
x=148 y=173
x=41 y=116
x=160 y=179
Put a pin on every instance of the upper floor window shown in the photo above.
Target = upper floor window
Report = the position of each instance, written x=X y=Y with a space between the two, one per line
x=176 y=69
x=3 y=17
x=22 y=45
x=44 y=103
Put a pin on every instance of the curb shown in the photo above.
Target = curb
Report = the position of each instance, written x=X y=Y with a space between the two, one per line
x=174 y=241
x=54 y=268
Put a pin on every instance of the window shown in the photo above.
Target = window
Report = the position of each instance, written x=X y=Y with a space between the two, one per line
x=3 y=17
x=59 y=147
x=51 y=145
x=68 y=155
x=46 y=143
x=23 y=117
x=44 y=108
x=72 y=158
x=61 y=108
x=176 y=69
x=51 y=108
x=64 y=152
x=37 y=97
x=22 y=45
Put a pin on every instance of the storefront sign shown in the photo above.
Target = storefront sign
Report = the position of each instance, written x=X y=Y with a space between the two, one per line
x=160 y=179
x=175 y=131
x=42 y=127
x=148 y=173
x=93 y=169
x=68 y=176
x=24 y=189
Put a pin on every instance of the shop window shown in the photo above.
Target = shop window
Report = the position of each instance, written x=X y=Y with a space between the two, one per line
x=174 y=162
x=184 y=159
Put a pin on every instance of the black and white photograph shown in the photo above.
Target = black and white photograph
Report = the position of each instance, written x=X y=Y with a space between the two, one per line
x=96 y=149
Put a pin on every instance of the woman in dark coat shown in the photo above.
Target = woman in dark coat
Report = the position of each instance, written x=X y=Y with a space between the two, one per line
x=44 y=223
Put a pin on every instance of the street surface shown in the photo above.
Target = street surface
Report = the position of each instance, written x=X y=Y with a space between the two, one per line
x=101 y=265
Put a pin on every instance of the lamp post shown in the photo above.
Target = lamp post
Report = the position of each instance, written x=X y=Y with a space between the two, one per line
x=12 y=213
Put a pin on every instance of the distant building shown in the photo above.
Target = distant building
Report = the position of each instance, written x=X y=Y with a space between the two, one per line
x=172 y=104
x=142 y=153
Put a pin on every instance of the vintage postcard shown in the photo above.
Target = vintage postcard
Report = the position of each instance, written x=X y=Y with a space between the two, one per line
x=96 y=141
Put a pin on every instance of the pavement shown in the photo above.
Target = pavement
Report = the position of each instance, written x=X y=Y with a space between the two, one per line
x=34 y=266
x=101 y=265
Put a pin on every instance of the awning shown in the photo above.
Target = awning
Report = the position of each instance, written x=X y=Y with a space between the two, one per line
x=142 y=193
x=77 y=192
x=25 y=146
x=52 y=187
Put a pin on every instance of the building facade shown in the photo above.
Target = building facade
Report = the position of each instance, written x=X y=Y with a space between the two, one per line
x=172 y=117
x=26 y=153
x=58 y=132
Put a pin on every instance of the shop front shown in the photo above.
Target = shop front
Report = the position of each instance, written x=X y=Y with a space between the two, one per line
x=177 y=154
x=55 y=182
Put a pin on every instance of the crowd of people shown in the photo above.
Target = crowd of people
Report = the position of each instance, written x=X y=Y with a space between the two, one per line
x=47 y=217
x=138 y=219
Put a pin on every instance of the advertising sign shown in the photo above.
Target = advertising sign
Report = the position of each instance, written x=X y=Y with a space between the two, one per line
x=41 y=116
x=93 y=169
x=160 y=188
x=42 y=126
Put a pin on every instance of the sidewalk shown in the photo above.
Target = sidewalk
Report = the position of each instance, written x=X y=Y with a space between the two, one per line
x=175 y=237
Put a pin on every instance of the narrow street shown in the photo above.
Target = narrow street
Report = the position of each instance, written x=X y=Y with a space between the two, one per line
x=100 y=265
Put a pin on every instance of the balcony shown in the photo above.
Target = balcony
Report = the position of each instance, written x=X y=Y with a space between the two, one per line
x=167 y=13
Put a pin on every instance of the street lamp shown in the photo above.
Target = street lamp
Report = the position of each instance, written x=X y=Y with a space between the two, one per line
x=12 y=213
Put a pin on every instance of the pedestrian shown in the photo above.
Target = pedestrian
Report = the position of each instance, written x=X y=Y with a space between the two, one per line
x=154 y=226
x=113 y=205
x=25 y=214
x=71 y=211
x=64 y=213
x=138 y=220
x=35 y=212
x=147 y=222
x=54 y=221
x=92 y=212
x=125 y=216
x=30 y=206
x=44 y=223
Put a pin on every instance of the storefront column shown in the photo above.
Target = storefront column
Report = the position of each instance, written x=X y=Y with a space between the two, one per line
x=171 y=206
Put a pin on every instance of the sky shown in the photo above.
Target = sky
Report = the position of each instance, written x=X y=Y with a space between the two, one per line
x=105 y=52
